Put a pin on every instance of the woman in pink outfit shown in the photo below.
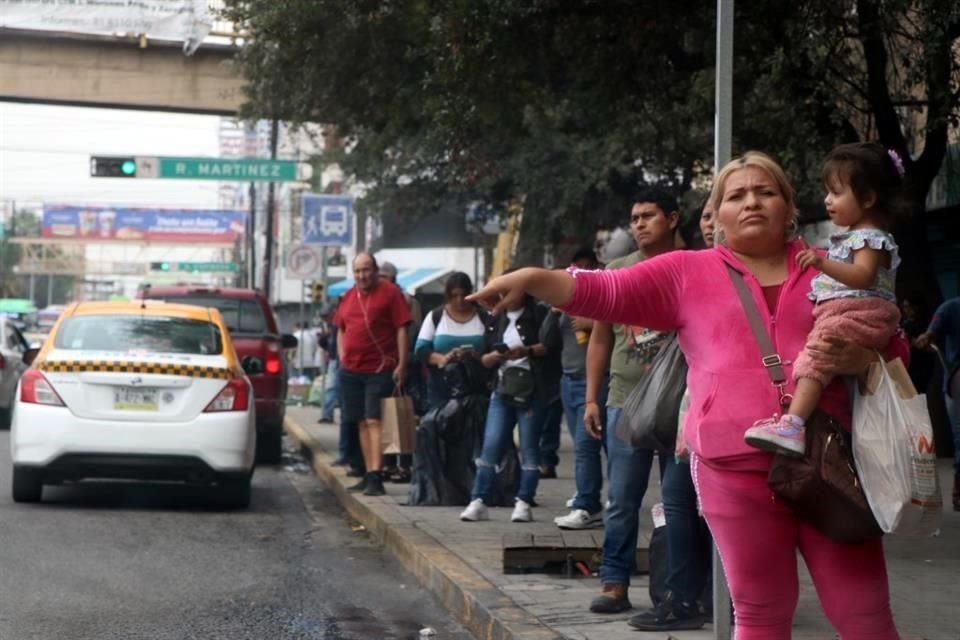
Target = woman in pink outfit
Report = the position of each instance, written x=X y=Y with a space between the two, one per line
x=691 y=292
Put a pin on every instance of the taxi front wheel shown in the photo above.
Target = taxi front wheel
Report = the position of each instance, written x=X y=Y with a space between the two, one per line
x=27 y=485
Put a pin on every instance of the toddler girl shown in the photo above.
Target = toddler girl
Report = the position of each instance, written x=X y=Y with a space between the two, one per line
x=854 y=290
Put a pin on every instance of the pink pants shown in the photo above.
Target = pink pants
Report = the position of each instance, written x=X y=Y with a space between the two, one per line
x=758 y=539
x=868 y=322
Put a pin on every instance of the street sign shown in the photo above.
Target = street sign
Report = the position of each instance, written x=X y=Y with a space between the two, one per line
x=224 y=169
x=304 y=262
x=208 y=267
x=241 y=170
x=326 y=220
x=195 y=267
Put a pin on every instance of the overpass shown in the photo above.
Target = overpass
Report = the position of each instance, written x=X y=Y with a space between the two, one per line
x=129 y=73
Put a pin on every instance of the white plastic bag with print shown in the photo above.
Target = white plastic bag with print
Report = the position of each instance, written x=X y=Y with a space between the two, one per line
x=894 y=453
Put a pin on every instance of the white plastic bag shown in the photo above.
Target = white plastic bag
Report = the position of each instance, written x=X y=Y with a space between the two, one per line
x=894 y=453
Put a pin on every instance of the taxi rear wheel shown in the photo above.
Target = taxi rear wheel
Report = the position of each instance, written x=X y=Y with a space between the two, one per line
x=27 y=485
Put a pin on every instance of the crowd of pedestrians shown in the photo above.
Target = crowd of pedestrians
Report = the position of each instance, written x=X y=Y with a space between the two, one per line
x=571 y=345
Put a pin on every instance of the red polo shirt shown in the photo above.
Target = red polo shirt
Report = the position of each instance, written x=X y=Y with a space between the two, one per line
x=369 y=321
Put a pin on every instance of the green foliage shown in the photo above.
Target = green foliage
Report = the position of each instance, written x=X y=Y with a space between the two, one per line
x=571 y=104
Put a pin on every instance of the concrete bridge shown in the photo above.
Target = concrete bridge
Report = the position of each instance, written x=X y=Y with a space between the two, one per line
x=97 y=71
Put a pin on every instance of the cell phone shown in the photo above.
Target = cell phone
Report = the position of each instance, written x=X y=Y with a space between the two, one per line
x=501 y=347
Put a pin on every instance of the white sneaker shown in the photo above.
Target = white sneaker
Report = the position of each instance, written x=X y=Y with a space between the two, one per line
x=521 y=512
x=579 y=519
x=475 y=511
x=570 y=502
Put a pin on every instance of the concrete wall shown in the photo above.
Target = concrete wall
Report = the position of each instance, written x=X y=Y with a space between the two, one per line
x=107 y=72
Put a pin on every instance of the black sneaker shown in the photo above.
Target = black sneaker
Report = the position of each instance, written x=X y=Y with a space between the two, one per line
x=360 y=486
x=374 y=485
x=669 y=615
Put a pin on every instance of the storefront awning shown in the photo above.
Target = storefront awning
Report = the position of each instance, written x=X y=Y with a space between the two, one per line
x=410 y=280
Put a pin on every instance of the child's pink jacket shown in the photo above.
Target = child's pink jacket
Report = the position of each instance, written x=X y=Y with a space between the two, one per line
x=691 y=292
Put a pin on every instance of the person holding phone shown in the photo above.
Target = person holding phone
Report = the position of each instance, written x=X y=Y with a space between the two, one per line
x=527 y=379
x=450 y=333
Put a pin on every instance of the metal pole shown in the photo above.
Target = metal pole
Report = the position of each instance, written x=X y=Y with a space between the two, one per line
x=252 y=239
x=268 y=249
x=323 y=274
x=723 y=126
x=303 y=328
x=49 y=289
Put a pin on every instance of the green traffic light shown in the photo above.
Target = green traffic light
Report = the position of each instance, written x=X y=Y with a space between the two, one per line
x=164 y=266
x=129 y=167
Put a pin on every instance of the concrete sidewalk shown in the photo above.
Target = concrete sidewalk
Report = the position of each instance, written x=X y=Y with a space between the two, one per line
x=461 y=563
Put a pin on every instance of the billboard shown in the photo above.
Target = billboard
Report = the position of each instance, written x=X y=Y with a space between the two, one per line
x=184 y=20
x=142 y=224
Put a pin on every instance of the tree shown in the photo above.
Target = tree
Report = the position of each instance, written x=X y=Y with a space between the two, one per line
x=570 y=104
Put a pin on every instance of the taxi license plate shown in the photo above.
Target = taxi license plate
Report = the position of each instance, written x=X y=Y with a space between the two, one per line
x=135 y=399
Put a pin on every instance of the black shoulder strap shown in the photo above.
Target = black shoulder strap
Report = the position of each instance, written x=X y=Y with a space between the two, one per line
x=771 y=359
x=436 y=315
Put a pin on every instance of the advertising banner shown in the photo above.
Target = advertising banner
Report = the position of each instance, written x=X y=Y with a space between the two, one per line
x=186 y=20
x=142 y=224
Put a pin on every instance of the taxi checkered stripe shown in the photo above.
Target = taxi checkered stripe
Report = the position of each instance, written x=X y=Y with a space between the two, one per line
x=117 y=366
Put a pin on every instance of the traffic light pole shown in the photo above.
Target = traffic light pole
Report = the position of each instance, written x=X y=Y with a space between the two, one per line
x=271 y=187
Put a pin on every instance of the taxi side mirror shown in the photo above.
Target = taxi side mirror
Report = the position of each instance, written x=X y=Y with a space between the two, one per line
x=288 y=341
x=251 y=366
x=30 y=355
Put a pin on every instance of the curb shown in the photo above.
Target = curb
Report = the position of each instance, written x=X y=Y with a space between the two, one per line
x=475 y=602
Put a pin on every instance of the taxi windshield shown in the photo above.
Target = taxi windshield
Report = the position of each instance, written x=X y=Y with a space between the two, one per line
x=139 y=334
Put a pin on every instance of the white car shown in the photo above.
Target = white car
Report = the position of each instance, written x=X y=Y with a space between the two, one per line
x=144 y=391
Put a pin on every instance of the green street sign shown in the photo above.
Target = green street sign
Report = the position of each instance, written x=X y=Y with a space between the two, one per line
x=242 y=170
x=223 y=169
x=207 y=267
x=195 y=267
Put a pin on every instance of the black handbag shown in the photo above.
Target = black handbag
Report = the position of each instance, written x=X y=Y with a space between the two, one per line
x=822 y=487
x=516 y=387
x=650 y=414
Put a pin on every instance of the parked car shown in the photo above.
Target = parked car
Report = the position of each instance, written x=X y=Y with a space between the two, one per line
x=12 y=351
x=253 y=328
x=144 y=391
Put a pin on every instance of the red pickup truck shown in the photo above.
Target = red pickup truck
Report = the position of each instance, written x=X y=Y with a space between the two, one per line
x=259 y=346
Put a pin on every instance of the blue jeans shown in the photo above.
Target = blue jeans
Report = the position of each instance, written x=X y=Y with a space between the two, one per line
x=550 y=434
x=587 y=457
x=629 y=473
x=497 y=433
x=331 y=390
x=953 y=412
x=688 y=539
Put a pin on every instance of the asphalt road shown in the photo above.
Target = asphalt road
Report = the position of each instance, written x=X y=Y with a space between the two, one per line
x=105 y=561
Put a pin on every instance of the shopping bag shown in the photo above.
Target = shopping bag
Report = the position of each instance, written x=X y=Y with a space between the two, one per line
x=399 y=424
x=650 y=413
x=315 y=396
x=894 y=452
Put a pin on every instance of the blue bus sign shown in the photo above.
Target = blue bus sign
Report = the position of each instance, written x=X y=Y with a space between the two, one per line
x=326 y=220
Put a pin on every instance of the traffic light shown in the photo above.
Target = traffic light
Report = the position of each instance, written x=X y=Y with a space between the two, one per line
x=113 y=166
x=160 y=266
x=316 y=293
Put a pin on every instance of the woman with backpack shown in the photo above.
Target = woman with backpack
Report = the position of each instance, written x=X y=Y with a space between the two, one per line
x=450 y=333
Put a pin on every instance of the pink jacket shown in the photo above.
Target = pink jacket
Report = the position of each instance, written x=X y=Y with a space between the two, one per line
x=691 y=292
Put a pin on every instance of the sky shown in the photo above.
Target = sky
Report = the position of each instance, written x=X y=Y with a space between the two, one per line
x=45 y=155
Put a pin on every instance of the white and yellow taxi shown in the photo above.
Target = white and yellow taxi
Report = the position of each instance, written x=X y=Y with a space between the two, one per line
x=139 y=390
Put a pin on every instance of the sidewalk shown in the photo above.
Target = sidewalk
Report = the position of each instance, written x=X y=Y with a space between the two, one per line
x=461 y=563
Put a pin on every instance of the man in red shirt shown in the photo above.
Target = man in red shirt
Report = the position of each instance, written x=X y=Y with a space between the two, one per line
x=372 y=345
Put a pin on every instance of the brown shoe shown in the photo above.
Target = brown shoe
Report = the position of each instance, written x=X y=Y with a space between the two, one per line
x=612 y=599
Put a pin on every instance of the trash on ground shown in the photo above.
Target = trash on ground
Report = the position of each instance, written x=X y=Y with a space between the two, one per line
x=427 y=632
